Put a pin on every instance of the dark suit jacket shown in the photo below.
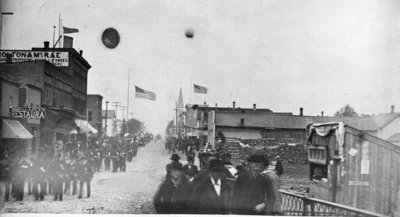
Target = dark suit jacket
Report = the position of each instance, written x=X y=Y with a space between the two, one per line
x=249 y=192
x=193 y=169
x=206 y=201
x=173 y=200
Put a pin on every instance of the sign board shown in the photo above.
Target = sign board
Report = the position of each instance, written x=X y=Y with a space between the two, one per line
x=365 y=167
x=57 y=58
x=25 y=112
x=358 y=183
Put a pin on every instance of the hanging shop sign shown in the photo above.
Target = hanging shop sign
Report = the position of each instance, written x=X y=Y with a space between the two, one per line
x=25 y=112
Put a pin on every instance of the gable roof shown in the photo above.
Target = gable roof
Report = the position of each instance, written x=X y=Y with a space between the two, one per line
x=384 y=119
x=394 y=138
x=110 y=114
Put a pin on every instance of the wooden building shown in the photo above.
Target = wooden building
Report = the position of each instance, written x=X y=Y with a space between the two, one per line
x=351 y=167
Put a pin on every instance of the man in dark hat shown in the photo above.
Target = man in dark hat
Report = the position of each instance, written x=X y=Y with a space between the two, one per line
x=190 y=165
x=278 y=166
x=173 y=196
x=175 y=159
x=253 y=193
x=212 y=195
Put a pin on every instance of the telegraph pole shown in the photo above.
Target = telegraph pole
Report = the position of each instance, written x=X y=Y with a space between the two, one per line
x=116 y=104
x=105 y=127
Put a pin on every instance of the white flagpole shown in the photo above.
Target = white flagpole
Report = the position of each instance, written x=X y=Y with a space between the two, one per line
x=127 y=111
x=191 y=90
x=59 y=29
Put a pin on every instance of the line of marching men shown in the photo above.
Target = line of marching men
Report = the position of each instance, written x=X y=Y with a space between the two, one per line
x=219 y=188
x=63 y=173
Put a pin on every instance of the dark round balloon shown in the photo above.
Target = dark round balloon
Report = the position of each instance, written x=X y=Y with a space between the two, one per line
x=189 y=33
x=110 y=38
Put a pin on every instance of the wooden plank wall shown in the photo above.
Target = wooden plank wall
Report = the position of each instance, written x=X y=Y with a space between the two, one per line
x=383 y=190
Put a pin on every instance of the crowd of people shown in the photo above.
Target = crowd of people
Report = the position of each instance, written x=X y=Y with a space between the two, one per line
x=68 y=169
x=217 y=187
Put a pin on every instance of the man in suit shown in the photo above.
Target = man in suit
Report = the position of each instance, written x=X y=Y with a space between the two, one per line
x=278 y=166
x=212 y=195
x=190 y=165
x=254 y=192
x=174 y=160
x=173 y=196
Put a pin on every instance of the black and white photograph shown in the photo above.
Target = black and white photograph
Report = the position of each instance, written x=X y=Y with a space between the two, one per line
x=187 y=107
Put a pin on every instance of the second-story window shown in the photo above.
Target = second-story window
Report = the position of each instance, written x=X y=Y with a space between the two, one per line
x=90 y=116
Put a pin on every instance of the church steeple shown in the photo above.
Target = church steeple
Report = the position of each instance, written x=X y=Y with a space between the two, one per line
x=180 y=100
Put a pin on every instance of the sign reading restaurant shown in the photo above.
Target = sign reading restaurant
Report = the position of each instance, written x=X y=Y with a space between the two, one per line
x=57 y=58
x=25 y=112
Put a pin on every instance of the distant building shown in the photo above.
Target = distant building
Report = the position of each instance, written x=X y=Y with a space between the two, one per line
x=289 y=128
x=180 y=115
x=388 y=124
x=94 y=107
x=109 y=119
x=197 y=117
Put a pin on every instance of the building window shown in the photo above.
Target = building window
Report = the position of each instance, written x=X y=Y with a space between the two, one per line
x=90 y=118
x=10 y=104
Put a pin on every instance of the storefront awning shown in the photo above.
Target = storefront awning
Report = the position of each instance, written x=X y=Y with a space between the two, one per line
x=85 y=127
x=58 y=121
x=13 y=129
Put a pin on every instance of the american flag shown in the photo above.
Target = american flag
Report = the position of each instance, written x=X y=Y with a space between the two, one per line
x=199 y=89
x=140 y=93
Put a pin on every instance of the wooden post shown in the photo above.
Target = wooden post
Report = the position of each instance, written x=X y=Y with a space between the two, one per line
x=336 y=161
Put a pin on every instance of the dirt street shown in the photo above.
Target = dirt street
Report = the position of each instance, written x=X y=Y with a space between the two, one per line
x=116 y=193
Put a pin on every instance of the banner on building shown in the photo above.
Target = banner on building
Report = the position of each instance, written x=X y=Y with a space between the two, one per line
x=57 y=58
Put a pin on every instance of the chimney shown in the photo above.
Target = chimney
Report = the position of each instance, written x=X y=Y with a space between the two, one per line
x=254 y=106
x=46 y=44
x=8 y=58
x=301 y=111
x=322 y=113
x=234 y=104
x=392 y=109
x=81 y=52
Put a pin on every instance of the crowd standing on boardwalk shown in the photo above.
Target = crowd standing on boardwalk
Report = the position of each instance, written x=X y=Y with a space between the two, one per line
x=218 y=187
x=68 y=171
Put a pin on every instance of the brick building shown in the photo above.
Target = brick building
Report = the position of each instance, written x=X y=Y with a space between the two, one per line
x=61 y=76
x=20 y=125
x=94 y=107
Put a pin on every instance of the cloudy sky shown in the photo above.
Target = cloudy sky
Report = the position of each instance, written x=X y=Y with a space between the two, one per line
x=282 y=55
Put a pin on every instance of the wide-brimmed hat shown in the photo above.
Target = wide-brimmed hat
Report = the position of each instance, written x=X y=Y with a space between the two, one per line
x=216 y=165
x=175 y=157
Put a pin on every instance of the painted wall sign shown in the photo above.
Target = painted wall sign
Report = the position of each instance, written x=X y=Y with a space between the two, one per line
x=57 y=58
x=25 y=112
x=364 y=166
x=358 y=183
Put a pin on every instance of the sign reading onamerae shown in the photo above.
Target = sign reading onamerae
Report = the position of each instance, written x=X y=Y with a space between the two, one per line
x=57 y=58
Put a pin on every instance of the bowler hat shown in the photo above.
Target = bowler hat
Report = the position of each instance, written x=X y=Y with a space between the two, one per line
x=175 y=157
x=216 y=165
x=176 y=166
